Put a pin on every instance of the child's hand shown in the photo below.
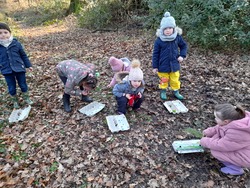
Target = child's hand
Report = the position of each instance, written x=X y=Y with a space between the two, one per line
x=139 y=95
x=128 y=96
x=180 y=59
x=85 y=92
x=109 y=86
x=204 y=133
x=30 y=69
x=155 y=71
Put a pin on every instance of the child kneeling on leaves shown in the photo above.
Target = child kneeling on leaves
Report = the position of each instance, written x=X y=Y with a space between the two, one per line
x=130 y=90
x=73 y=73
x=229 y=140
x=118 y=65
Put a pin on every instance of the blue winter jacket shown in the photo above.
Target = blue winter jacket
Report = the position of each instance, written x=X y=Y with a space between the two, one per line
x=126 y=87
x=13 y=58
x=166 y=53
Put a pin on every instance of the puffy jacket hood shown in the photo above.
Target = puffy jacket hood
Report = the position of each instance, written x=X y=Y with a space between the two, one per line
x=178 y=30
x=121 y=76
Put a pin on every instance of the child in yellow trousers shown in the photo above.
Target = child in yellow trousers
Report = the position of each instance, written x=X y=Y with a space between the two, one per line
x=169 y=51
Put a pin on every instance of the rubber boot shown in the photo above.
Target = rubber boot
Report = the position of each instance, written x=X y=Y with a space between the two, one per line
x=86 y=98
x=66 y=102
x=178 y=95
x=163 y=94
x=26 y=98
x=231 y=169
x=14 y=99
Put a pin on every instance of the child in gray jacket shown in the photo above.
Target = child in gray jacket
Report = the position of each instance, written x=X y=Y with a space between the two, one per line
x=78 y=80
x=130 y=91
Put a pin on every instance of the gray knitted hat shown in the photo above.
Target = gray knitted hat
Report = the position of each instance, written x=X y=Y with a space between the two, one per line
x=167 y=21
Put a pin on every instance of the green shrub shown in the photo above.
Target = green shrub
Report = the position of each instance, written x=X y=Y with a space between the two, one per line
x=217 y=24
x=2 y=17
x=46 y=12
x=101 y=14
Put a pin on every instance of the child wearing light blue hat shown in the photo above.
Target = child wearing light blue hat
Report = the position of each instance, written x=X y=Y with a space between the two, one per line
x=170 y=49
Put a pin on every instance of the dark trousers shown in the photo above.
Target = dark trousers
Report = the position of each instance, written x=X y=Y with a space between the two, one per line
x=11 y=80
x=122 y=103
x=64 y=80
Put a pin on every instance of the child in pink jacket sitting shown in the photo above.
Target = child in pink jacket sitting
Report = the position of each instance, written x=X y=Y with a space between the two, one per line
x=118 y=65
x=229 y=140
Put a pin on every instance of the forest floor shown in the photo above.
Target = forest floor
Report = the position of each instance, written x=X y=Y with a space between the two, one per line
x=52 y=148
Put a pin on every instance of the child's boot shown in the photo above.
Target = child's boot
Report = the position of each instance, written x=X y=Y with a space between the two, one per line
x=86 y=98
x=232 y=170
x=178 y=95
x=14 y=99
x=163 y=94
x=26 y=98
x=66 y=102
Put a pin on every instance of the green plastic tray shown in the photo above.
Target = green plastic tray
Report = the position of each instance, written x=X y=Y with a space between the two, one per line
x=187 y=146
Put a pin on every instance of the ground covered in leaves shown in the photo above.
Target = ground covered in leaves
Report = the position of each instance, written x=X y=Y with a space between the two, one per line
x=52 y=148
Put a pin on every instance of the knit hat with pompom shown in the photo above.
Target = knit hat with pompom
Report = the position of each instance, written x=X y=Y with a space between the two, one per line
x=167 y=21
x=118 y=64
x=135 y=71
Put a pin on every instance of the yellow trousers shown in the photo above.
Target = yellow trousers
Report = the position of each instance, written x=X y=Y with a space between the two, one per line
x=171 y=78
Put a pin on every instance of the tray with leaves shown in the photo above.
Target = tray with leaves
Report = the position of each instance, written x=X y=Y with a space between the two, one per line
x=175 y=107
x=187 y=146
x=117 y=123
x=19 y=114
x=92 y=108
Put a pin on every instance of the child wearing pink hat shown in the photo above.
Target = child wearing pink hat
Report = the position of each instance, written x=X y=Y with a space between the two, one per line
x=118 y=65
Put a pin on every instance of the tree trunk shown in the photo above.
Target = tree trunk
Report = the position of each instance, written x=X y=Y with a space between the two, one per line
x=73 y=7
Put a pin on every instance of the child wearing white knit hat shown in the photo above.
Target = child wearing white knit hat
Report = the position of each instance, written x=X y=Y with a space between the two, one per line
x=130 y=91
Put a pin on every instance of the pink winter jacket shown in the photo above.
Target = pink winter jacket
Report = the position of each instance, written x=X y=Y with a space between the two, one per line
x=231 y=142
x=126 y=68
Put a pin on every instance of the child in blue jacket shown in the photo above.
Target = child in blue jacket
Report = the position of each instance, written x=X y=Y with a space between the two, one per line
x=169 y=51
x=13 y=64
x=130 y=91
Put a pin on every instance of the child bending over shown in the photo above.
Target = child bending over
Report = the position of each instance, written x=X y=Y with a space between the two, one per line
x=78 y=80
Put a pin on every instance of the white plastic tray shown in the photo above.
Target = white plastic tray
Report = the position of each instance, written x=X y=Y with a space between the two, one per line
x=117 y=123
x=19 y=114
x=175 y=107
x=187 y=146
x=92 y=108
